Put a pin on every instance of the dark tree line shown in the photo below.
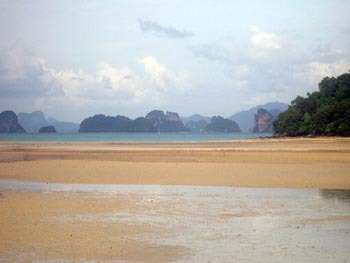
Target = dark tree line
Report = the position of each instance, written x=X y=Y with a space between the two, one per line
x=323 y=112
x=102 y=123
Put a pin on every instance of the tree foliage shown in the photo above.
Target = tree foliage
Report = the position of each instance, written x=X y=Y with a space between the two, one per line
x=219 y=124
x=323 y=112
x=102 y=123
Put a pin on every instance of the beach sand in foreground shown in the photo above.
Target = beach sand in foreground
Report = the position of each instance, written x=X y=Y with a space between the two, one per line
x=175 y=224
x=291 y=163
x=38 y=226
x=153 y=223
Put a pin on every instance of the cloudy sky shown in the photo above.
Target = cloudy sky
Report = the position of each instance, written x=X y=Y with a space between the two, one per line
x=72 y=59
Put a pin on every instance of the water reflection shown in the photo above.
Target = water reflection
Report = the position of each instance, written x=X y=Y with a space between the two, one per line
x=336 y=194
x=237 y=224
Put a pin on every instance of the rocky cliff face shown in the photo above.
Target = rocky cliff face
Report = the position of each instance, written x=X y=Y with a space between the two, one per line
x=32 y=121
x=9 y=123
x=219 y=124
x=169 y=122
x=47 y=129
x=195 y=117
x=196 y=126
x=263 y=121
x=156 y=116
x=172 y=116
x=245 y=119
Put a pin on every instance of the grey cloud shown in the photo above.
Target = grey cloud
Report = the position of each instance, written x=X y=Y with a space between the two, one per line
x=268 y=78
x=154 y=27
x=327 y=53
x=286 y=71
x=347 y=31
x=22 y=74
x=260 y=76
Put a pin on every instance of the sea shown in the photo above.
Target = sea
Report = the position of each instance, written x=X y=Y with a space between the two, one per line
x=129 y=137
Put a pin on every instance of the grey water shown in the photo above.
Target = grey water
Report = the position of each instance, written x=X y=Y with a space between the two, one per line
x=226 y=224
x=128 y=137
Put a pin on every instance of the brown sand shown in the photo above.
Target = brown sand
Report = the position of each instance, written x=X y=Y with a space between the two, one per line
x=51 y=226
x=293 y=163
x=32 y=229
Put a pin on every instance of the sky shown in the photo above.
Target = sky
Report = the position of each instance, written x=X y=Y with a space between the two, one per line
x=74 y=59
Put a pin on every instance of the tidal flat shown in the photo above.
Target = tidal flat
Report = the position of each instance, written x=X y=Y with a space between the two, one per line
x=156 y=223
x=322 y=163
x=261 y=200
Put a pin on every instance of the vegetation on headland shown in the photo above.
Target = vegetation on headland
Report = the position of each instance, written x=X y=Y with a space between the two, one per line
x=48 y=129
x=155 y=121
x=220 y=124
x=323 y=112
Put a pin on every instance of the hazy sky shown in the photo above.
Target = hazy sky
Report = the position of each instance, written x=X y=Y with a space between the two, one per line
x=73 y=59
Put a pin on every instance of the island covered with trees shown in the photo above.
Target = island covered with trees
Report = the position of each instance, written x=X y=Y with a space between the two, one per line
x=323 y=112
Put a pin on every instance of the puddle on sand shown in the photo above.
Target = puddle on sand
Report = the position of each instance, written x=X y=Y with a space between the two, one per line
x=226 y=224
x=336 y=194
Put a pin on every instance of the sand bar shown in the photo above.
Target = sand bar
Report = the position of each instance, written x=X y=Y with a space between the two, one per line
x=291 y=163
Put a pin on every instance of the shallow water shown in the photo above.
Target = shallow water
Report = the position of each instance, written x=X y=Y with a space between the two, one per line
x=228 y=224
x=128 y=137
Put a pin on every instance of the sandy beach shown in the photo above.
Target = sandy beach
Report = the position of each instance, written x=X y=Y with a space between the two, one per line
x=291 y=163
x=170 y=217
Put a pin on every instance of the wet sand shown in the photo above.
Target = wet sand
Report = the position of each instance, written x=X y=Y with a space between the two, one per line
x=143 y=223
x=166 y=223
x=33 y=227
x=287 y=163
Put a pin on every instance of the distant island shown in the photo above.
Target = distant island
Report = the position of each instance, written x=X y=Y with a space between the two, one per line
x=154 y=121
x=220 y=124
x=47 y=129
x=263 y=121
x=33 y=121
x=9 y=123
x=323 y=112
x=247 y=119
x=257 y=119
x=169 y=122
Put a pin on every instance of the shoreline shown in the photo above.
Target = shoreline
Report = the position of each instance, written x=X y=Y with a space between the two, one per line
x=282 y=163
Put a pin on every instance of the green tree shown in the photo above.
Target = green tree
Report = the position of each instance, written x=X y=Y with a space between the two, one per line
x=324 y=112
x=306 y=126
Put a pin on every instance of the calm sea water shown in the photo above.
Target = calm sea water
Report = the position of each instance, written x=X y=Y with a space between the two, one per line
x=128 y=137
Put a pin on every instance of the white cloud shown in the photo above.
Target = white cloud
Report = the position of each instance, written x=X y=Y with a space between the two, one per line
x=109 y=84
x=154 y=70
x=167 y=80
x=263 y=98
x=264 y=39
x=24 y=74
x=275 y=67
x=254 y=28
x=116 y=80
x=314 y=71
